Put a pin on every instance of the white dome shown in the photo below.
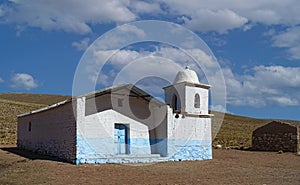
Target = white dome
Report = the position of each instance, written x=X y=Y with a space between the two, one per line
x=186 y=75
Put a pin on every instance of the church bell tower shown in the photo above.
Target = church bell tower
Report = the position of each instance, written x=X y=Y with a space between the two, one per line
x=187 y=96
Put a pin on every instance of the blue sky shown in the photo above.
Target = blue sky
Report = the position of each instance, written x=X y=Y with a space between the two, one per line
x=257 y=45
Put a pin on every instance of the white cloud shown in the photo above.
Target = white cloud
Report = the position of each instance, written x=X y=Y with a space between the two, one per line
x=1 y=80
x=215 y=40
x=284 y=101
x=132 y=29
x=108 y=67
x=267 y=85
x=117 y=58
x=71 y=16
x=23 y=81
x=120 y=37
x=219 y=108
x=278 y=76
x=2 y=10
x=145 y=7
x=200 y=15
x=102 y=79
x=233 y=14
x=289 y=39
x=124 y=57
x=81 y=45
x=222 y=16
x=294 y=52
x=215 y=20
x=120 y=58
x=101 y=56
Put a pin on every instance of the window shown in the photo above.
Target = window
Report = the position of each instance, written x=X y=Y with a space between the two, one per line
x=175 y=103
x=29 y=126
x=197 y=101
x=120 y=102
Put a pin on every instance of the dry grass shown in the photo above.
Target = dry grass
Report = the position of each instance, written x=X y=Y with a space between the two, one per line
x=8 y=118
x=235 y=131
x=227 y=167
x=45 y=99
x=13 y=104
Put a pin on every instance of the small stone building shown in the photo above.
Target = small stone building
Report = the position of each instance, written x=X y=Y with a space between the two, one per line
x=276 y=136
x=123 y=123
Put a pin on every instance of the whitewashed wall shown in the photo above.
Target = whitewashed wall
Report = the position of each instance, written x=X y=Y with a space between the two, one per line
x=153 y=128
x=95 y=131
x=186 y=98
x=190 y=92
x=189 y=138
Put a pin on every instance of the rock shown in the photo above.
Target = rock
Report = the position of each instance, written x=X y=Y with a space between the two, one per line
x=218 y=147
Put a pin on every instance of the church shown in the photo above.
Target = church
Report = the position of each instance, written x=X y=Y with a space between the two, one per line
x=124 y=124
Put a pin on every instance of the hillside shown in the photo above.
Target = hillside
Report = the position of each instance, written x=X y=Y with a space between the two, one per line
x=237 y=131
x=234 y=131
x=44 y=99
x=13 y=104
x=8 y=117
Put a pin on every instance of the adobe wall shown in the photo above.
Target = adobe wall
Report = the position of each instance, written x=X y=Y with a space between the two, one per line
x=298 y=140
x=275 y=137
x=52 y=132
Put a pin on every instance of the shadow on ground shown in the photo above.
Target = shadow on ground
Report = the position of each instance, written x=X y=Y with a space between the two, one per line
x=29 y=155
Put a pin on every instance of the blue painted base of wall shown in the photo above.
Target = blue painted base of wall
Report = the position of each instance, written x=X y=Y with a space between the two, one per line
x=181 y=150
x=101 y=150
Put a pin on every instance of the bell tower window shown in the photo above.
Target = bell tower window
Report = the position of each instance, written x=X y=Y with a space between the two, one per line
x=197 y=101
x=175 y=103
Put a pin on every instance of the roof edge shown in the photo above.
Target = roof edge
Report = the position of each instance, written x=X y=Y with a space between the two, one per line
x=205 y=86
x=46 y=108
x=100 y=92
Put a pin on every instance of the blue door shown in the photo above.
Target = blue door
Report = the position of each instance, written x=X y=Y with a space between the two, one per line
x=120 y=138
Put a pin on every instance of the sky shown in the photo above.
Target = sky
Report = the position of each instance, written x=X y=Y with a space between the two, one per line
x=255 y=43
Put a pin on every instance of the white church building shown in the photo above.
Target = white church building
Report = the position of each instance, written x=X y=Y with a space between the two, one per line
x=124 y=124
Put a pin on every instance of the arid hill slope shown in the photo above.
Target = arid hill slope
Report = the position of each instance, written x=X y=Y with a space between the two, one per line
x=235 y=130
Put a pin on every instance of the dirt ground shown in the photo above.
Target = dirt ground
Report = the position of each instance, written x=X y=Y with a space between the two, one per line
x=227 y=167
